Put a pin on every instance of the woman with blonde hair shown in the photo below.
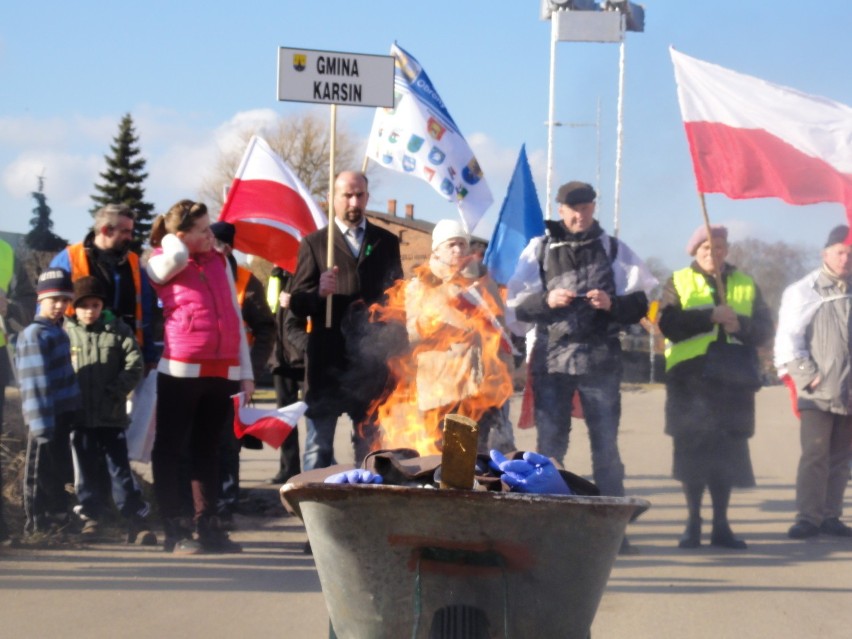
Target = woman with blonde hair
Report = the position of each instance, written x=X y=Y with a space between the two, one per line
x=205 y=361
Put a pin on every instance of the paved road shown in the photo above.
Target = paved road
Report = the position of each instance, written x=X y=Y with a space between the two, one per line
x=777 y=588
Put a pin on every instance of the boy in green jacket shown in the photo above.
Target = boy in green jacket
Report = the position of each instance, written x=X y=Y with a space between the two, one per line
x=108 y=365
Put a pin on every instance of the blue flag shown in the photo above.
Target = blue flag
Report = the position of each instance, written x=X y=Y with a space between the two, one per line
x=520 y=220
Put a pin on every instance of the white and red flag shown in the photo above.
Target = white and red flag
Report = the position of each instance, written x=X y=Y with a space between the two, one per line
x=271 y=426
x=270 y=207
x=750 y=138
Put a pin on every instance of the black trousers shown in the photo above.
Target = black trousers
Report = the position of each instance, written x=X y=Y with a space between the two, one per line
x=48 y=466
x=287 y=392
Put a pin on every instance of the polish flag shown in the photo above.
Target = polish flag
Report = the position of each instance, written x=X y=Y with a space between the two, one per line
x=750 y=138
x=270 y=426
x=270 y=207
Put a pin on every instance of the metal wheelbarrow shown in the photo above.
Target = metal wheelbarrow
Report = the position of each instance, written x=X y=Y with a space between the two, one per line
x=397 y=562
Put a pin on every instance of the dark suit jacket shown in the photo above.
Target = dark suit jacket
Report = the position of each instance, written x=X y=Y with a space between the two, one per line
x=362 y=281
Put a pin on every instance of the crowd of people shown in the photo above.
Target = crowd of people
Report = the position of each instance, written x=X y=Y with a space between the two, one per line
x=318 y=332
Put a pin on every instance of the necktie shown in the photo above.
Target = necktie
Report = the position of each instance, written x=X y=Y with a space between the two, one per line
x=355 y=237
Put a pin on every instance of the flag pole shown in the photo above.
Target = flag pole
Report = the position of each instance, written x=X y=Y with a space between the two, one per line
x=720 y=282
x=551 y=109
x=364 y=164
x=619 y=146
x=331 y=223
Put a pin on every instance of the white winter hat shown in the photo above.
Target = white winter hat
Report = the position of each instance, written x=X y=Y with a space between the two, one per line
x=446 y=230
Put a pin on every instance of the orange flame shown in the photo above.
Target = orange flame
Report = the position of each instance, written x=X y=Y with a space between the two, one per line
x=458 y=359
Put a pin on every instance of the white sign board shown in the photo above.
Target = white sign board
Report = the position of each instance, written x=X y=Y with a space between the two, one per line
x=332 y=77
x=589 y=26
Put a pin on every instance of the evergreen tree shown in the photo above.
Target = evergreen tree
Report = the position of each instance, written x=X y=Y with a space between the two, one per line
x=41 y=237
x=123 y=179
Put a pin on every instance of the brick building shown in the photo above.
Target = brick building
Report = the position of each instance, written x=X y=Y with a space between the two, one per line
x=415 y=236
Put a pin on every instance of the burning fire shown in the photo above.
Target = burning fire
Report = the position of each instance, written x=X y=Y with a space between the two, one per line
x=458 y=360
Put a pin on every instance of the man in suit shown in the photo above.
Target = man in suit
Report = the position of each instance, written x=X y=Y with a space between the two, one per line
x=342 y=376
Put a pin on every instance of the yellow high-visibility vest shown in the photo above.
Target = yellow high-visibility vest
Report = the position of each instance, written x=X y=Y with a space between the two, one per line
x=694 y=292
x=7 y=270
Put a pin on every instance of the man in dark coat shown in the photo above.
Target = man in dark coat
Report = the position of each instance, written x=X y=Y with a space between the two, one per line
x=287 y=363
x=341 y=376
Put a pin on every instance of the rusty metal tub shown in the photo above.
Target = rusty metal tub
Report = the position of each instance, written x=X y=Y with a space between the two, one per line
x=394 y=560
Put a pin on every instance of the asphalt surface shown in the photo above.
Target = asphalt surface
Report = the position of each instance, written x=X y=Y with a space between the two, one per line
x=777 y=588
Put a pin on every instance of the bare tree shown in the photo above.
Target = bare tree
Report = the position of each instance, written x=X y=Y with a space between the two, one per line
x=660 y=271
x=303 y=142
x=773 y=266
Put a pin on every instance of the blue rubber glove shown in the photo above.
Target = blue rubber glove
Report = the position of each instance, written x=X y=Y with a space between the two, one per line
x=534 y=474
x=355 y=476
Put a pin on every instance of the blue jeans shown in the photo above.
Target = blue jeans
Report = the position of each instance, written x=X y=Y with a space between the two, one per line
x=319 y=441
x=600 y=396
x=90 y=446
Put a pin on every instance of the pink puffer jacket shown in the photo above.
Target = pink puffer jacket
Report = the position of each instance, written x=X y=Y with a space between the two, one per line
x=202 y=328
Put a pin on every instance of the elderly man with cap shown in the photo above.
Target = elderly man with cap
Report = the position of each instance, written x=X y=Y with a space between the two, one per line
x=578 y=287
x=813 y=345
x=710 y=420
x=260 y=332
x=455 y=325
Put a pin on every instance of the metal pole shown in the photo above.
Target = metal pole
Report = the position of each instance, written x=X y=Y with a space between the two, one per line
x=616 y=225
x=554 y=32
x=332 y=151
x=598 y=146
x=651 y=349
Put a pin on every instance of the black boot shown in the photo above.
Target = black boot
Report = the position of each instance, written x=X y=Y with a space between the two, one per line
x=692 y=534
x=723 y=537
x=213 y=538
x=178 y=538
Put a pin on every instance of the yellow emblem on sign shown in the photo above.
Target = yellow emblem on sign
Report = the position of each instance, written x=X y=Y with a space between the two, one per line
x=300 y=61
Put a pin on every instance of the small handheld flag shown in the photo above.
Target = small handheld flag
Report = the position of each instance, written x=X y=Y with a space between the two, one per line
x=269 y=426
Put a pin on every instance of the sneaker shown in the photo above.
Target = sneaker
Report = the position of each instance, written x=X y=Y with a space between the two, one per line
x=90 y=529
x=178 y=539
x=139 y=533
x=834 y=527
x=802 y=530
x=186 y=547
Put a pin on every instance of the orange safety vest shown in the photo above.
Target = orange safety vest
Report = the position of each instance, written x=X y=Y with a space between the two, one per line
x=241 y=282
x=80 y=268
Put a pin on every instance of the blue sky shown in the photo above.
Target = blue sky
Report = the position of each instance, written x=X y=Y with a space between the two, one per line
x=192 y=73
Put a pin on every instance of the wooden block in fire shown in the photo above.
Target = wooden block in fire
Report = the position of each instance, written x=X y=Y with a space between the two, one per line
x=458 y=460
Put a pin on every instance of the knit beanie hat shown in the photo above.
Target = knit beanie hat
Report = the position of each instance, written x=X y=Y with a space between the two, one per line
x=224 y=232
x=446 y=230
x=88 y=286
x=54 y=282
x=837 y=236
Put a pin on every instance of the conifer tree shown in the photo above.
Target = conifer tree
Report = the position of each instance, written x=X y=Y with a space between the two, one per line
x=123 y=181
x=41 y=237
